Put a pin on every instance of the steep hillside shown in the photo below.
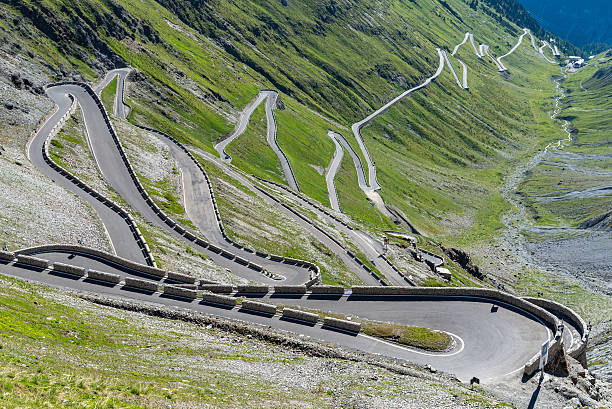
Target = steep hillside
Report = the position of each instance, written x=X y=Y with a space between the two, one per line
x=449 y=158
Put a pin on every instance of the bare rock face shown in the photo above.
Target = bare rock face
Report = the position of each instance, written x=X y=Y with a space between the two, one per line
x=581 y=388
x=558 y=365
x=464 y=260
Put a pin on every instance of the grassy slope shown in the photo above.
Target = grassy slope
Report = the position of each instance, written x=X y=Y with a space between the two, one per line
x=108 y=95
x=443 y=152
x=344 y=61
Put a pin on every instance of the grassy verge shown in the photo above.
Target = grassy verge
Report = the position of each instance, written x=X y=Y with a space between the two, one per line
x=417 y=337
x=108 y=95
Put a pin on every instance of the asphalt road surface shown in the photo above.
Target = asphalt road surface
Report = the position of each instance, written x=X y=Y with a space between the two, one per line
x=489 y=343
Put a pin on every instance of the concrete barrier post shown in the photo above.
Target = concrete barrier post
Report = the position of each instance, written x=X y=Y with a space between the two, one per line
x=300 y=315
x=259 y=306
x=32 y=261
x=183 y=278
x=219 y=299
x=342 y=324
x=290 y=289
x=180 y=292
x=68 y=269
x=106 y=277
x=141 y=284
x=7 y=255
x=218 y=288
x=327 y=289
x=253 y=289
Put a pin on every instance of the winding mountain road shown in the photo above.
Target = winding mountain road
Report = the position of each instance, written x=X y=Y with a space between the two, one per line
x=270 y=98
x=121 y=235
x=115 y=172
x=490 y=343
x=492 y=340
x=331 y=172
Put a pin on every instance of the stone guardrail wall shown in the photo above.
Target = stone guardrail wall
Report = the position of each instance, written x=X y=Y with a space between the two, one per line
x=300 y=315
x=528 y=304
x=342 y=324
x=95 y=253
x=101 y=276
x=259 y=306
x=83 y=186
x=32 y=261
x=576 y=350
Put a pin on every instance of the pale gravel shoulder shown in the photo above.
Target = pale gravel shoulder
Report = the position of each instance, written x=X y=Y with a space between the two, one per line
x=34 y=210
x=176 y=256
x=144 y=150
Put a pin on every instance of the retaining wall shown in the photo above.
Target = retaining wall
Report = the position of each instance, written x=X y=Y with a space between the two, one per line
x=578 y=348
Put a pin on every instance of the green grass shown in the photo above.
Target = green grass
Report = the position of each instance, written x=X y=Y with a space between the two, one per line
x=54 y=355
x=251 y=152
x=421 y=338
x=337 y=63
x=250 y=221
x=108 y=95
x=417 y=337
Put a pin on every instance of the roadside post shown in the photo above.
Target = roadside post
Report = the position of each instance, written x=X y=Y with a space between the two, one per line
x=544 y=358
